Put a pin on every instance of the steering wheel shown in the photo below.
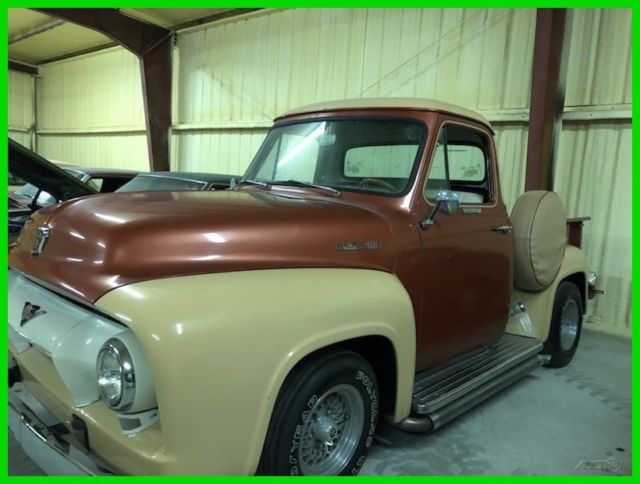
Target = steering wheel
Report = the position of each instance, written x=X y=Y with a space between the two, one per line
x=377 y=181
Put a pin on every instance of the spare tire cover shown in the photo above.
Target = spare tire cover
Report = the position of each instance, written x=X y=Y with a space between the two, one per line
x=539 y=228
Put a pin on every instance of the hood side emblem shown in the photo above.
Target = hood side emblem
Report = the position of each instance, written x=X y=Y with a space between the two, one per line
x=30 y=311
x=40 y=242
x=368 y=245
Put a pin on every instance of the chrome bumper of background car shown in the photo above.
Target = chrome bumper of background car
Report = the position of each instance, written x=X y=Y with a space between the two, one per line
x=47 y=441
x=592 y=285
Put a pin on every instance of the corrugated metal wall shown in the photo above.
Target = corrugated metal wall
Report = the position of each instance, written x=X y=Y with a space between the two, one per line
x=599 y=70
x=593 y=171
x=21 y=107
x=241 y=74
x=90 y=111
x=593 y=177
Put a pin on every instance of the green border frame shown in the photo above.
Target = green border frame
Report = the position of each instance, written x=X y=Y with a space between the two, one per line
x=344 y=4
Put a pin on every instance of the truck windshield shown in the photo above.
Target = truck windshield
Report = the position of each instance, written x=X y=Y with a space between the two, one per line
x=375 y=156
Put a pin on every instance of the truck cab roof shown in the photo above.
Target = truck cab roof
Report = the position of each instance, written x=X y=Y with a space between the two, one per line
x=409 y=103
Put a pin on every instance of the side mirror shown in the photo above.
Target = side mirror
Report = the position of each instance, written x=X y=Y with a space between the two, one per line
x=447 y=201
x=450 y=202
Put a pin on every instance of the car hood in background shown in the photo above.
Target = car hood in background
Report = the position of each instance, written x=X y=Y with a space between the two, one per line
x=44 y=175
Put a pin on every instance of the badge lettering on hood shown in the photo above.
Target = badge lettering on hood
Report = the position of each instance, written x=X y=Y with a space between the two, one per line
x=368 y=245
x=30 y=311
x=40 y=242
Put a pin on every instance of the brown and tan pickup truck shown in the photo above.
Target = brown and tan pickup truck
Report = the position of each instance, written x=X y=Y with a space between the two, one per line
x=364 y=267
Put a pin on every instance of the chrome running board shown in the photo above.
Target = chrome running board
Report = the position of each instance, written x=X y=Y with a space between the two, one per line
x=450 y=389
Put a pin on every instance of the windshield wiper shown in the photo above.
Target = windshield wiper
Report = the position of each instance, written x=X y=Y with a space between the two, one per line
x=255 y=182
x=297 y=183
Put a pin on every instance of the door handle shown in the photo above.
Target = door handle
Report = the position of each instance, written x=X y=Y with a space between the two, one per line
x=505 y=229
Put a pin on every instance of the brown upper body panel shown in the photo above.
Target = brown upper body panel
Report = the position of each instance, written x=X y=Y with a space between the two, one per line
x=467 y=266
x=458 y=272
x=105 y=241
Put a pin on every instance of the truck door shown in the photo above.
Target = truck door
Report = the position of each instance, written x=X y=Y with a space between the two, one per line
x=467 y=256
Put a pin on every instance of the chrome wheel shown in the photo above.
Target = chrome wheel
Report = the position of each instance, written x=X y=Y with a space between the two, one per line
x=569 y=321
x=331 y=431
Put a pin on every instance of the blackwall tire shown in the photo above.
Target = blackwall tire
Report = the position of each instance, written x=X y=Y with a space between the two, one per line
x=566 y=326
x=324 y=418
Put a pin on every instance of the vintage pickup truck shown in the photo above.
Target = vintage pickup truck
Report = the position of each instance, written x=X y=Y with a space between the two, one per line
x=365 y=266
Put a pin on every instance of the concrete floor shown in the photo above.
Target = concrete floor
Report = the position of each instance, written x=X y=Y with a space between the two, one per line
x=572 y=421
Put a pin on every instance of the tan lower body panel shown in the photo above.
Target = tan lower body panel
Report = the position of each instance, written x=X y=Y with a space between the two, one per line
x=539 y=305
x=220 y=347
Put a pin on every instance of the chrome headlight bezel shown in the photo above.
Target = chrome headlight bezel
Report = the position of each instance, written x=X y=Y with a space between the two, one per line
x=127 y=394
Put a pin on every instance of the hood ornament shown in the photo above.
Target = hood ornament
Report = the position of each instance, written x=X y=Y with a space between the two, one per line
x=40 y=242
x=30 y=311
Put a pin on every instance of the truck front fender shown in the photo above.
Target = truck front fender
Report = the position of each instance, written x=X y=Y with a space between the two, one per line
x=221 y=345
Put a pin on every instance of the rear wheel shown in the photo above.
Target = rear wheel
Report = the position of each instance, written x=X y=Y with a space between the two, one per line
x=566 y=325
x=324 y=419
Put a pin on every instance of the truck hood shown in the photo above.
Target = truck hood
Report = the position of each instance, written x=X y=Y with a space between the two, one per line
x=102 y=242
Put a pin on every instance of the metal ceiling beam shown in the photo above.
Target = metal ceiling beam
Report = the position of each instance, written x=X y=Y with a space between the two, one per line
x=132 y=34
x=20 y=67
x=77 y=53
x=547 y=96
x=152 y=45
x=223 y=14
x=37 y=30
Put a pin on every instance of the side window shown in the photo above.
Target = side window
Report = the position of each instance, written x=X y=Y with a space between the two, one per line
x=460 y=164
x=467 y=163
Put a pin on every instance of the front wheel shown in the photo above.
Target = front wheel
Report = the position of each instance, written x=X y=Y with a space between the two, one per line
x=566 y=326
x=324 y=418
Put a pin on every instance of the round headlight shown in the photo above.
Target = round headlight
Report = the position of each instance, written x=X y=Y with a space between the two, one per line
x=116 y=376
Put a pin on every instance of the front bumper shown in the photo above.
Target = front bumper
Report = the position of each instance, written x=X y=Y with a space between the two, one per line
x=48 y=441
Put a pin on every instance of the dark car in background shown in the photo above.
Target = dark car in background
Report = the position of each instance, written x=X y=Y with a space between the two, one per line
x=177 y=181
x=15 y=182
x=44 y=177
x=46 y=183
x=103 y=180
